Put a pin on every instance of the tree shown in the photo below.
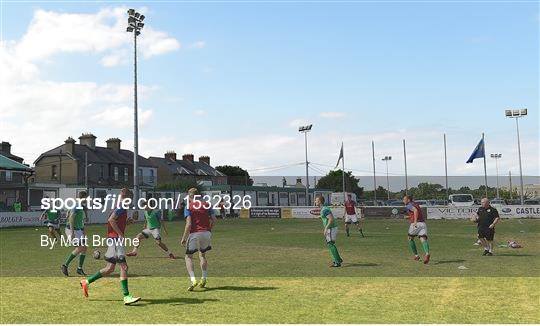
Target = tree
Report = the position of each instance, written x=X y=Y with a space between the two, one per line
x=182 y=185
x=334 y=181
x=235 y=175
x=381 y=194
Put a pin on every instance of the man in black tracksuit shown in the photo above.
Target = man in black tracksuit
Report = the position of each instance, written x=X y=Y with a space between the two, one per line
x=487 y=217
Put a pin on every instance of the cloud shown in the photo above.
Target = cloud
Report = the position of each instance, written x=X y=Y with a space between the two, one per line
x=332 y=115
x=104 y=33
x=121 y=117
x=197 y=45
x=37 y=114
x=199 y=112
x=295 y=123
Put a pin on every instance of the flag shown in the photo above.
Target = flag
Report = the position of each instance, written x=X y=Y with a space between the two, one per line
x=478 y=152
x=340 y=156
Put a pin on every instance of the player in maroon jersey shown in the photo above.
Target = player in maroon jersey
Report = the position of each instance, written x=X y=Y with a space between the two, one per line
x=200 y=219
x=350 y=215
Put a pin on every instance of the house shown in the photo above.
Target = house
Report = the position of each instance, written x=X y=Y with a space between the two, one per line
x=13 y=178
x=91 y=165
x=171 y=170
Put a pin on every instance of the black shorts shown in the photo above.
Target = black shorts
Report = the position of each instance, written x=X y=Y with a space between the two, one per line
x=486 y=233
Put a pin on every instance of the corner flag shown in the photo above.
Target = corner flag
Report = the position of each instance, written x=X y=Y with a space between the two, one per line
x=478 y=152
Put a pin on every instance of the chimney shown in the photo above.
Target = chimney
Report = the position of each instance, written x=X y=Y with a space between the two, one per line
x=188 y=157
x=114 y=144
x=88 y=140
x=205 y=159
x=5 y=147
x=69 y=145
x=170 y=155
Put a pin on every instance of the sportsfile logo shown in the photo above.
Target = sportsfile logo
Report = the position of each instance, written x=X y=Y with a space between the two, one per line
x=82 y=241
x=111 y=202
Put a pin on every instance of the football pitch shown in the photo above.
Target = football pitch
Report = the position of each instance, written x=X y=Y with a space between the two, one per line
x=276 y=271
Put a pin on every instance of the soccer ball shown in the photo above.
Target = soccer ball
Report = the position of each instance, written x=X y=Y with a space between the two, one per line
x=96 y=254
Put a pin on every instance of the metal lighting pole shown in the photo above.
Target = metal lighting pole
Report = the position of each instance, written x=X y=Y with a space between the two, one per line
x=386 y=159
x=497 y=156
x=374 y=174
x=405 y=159
x=516 y=114
x=305 y=130
x=135 y=25
x=446 y=169
x=511 y=190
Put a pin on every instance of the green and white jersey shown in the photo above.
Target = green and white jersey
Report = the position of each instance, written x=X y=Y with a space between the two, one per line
x=325 y=211
x=52 y=216
x=78 y=219
x=152 y=219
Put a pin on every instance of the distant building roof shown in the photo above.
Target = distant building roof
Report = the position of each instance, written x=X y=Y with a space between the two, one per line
x=185 y=167
x=99 y=154
x=8 y=164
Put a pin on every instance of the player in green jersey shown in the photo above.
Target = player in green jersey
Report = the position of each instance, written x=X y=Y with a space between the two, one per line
x=330 y=230
x=52 y=219
x=77 y=236
x=153 y=227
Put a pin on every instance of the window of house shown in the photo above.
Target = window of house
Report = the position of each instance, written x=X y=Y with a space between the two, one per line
x=101 y=171
x=125 y=174
x=53 y=172
x=9 y=175
x=115 y=173
x=151 y=176
x=292 y=198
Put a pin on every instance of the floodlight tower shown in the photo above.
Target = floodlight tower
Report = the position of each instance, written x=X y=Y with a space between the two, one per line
x=135 y=25
x=305 y=130
x=516 y=114
x=386 y=159
x=497 y=156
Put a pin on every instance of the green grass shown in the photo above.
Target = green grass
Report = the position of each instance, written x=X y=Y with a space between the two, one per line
x=276 y=271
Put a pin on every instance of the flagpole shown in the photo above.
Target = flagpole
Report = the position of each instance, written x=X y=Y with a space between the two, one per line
x=446 y=169
x=485 y=166
x=374 y=175
x=343 y=172
x=405 y=158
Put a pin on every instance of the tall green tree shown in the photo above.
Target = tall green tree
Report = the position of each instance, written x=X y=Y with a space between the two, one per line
x=235 y=175
x=334 y=181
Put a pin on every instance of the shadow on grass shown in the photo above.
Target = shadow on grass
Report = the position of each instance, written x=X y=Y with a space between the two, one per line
x=169 y=301
x=241 y=288
x=360 y=265
x=449 y=261
x=513 y=255
x=176 y=301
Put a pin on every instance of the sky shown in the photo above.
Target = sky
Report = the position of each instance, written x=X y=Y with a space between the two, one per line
x=235 y=80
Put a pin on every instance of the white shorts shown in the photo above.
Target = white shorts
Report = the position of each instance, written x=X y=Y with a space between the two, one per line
x=115 y=251
x=54 y=225
x=78 y=239
x=331 y=235
x=351 y=218
x=420 y=230
x=199 y=241
x=155 y=233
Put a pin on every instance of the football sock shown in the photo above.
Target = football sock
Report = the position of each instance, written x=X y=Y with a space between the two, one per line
x=425 y=246
x=192 y=276
x=81 y=260
x=93 y=278
x=204 y=274
x=347 y=229
x=69 y=259
x=335 y=254
x=124 y=284
x=412 y=246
